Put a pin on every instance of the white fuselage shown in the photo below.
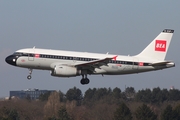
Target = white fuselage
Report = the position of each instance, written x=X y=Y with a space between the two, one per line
x=70 y=63
x=45 y=59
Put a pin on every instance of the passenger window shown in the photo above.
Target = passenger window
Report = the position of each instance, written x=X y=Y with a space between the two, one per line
x=31 y=55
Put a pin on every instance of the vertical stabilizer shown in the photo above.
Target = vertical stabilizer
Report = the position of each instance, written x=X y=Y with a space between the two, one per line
x=158 y=48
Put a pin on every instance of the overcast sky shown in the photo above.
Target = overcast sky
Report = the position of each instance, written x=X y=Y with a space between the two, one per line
x=118 y=27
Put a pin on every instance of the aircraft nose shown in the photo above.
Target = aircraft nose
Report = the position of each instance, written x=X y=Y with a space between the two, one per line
x=11 y=60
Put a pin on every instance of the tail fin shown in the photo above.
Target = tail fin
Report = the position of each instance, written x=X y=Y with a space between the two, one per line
x=158 y=48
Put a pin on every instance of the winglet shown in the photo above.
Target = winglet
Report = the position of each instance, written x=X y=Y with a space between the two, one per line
x=115 y=57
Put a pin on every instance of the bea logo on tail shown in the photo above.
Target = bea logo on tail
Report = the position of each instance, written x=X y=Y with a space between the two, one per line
x=160 y=45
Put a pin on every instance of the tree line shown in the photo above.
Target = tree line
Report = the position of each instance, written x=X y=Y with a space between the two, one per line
x=152 y=96
x=96 y=103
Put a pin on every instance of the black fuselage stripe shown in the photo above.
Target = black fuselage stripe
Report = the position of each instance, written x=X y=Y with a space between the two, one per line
x=47 y=56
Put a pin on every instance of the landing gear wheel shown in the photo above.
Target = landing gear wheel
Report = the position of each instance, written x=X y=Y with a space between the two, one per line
x=86 y=81
x=82 y=81
x=29 y=77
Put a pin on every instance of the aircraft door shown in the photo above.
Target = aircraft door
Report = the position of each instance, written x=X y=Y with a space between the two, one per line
x=31 y=55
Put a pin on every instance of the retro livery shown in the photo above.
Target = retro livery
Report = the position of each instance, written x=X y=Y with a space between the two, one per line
x=69 y=63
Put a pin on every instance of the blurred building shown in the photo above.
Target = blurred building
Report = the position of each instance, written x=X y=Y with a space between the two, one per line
x=31 y=93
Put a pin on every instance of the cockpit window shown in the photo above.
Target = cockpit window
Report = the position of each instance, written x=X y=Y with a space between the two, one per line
x=20 y=54
x=25 y=54
x=17 y=53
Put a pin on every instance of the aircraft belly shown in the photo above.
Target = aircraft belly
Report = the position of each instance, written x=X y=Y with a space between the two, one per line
x=99 y=71
x=125 y=69
x=116 y=70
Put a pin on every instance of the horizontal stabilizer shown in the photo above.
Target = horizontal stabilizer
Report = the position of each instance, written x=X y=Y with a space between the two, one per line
x=160 y=63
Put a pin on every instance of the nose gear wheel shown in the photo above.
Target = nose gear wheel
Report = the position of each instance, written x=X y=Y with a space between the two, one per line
x=29 y=76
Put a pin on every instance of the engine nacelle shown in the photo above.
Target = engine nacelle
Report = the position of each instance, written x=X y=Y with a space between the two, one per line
x=65 y=71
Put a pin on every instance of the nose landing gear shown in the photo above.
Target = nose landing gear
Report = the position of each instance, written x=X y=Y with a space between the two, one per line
x=29 y=76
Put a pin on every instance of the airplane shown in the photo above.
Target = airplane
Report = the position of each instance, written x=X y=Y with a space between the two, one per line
x=70 y=63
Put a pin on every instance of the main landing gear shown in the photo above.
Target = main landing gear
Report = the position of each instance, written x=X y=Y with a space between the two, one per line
x=84 y=80
x=29 y=76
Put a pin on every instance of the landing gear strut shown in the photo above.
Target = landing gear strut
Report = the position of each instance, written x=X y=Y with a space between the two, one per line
x=29 y=76
x=84 y=80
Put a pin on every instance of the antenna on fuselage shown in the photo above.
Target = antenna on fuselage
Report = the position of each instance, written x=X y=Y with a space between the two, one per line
x=34 y=47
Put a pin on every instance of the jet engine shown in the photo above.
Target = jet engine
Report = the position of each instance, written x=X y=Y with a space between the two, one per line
x=65 y=71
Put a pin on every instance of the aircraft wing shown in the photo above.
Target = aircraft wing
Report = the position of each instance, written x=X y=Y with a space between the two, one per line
x=96 y=63
x=160 y=63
